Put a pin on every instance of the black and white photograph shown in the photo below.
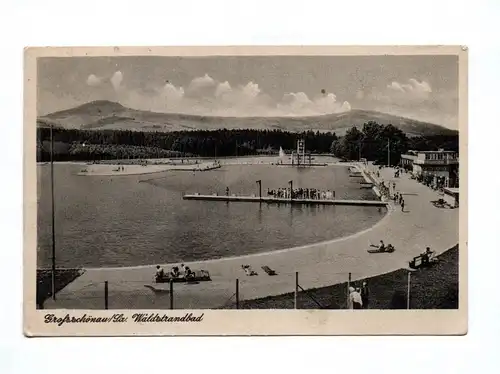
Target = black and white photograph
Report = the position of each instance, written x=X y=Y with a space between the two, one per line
x=249 y=181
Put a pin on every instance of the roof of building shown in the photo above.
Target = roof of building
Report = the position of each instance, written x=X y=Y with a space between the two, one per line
x=438 y=151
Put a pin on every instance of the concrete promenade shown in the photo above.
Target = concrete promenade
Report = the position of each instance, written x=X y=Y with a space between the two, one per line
x=420 y=225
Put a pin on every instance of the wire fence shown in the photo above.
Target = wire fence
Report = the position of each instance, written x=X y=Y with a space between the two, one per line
x=433 y=286
x=239 y=294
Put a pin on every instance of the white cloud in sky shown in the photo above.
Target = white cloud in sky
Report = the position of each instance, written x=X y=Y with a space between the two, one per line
x=206 y=96
x=300 y=104
x=412 y=88
x=116 y=80
x=93 y=80
x=413 y=99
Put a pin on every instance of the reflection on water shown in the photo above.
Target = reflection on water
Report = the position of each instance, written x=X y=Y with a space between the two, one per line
x=136 y=220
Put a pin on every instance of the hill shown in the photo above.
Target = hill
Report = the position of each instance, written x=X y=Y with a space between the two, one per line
x=110 y=115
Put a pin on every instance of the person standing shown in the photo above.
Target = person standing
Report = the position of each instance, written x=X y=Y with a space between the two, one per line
x=355 y=300
x=402 y=205
x=365 y=295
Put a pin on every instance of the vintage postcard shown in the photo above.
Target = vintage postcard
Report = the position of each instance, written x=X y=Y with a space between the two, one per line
x=245 y=190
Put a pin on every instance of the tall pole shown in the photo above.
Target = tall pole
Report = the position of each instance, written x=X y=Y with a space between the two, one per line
x=171 y=294
x=106 y=295
x=260 y=189
x=408 y=292
x=296 y=289
x=237 y=294
x=53 y=213
x=291 y=189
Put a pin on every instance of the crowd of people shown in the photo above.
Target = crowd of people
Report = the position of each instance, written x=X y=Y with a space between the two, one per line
x=302 y=193
x=388 y=190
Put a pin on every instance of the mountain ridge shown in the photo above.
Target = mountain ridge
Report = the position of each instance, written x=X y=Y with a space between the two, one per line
x=104 y=114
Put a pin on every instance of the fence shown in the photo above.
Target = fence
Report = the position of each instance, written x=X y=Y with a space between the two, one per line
x=389 y=291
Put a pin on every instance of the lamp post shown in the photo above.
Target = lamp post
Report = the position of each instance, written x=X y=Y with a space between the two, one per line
x=291 y=190
x=259 y=182
x=53 y=288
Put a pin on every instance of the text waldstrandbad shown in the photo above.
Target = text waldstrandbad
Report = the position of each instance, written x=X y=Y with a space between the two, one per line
x=121 y=318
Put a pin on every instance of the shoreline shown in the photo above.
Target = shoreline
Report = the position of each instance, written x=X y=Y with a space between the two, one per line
x=319 y=264
x=250 y=255
x=388 y=209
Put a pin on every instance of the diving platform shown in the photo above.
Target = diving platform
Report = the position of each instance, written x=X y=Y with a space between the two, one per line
x=277 y=200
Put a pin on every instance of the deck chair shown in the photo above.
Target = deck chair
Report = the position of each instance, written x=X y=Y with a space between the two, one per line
x=268 y=270
x=248 y=270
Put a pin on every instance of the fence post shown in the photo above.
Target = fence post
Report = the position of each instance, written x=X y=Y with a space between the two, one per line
x=237 y=294
x=296 y=289
x=171 y=294
x=105 y=294
x=408 y=291
x=348 y=286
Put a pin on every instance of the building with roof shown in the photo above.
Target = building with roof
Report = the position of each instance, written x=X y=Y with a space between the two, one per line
x=440 y=168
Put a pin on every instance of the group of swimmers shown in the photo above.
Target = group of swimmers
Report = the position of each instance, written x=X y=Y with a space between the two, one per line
x=301 y=193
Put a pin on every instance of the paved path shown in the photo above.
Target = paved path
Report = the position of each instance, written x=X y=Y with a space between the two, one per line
x=322 y=264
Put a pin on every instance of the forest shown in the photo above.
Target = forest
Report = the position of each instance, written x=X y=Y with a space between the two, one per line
x=371 y=142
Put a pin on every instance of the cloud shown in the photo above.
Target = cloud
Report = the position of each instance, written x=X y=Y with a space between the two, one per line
x=222 y=89
x=414 y=99
x=201 y=87
x=412 y=88
x=116 y=80
x=205 y=96
x=300 y=104
x=94 y=80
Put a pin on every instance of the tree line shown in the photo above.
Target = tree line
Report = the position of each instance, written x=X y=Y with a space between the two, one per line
x=370 y=143
x=385 y=144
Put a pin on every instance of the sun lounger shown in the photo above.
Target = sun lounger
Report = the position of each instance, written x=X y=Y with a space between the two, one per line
x=388 y=249
x=268 y=270
x=248 y=270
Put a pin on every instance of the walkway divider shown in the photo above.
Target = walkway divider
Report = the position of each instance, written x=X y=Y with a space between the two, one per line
x=408 y=294
x=171 y=294
x=237 y=294
x=296 y=290
x=106 y=297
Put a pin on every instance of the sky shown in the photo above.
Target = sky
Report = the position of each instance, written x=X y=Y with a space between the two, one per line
x=419 y=87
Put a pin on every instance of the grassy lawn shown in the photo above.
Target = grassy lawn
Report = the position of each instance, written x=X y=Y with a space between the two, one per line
x=44 y=282
x=432 y=288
